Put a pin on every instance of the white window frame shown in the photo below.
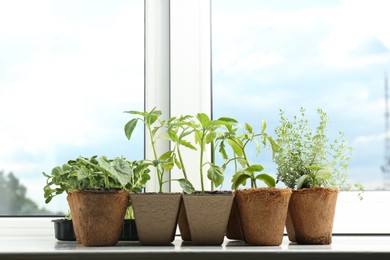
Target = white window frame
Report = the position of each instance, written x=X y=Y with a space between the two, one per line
x=178 y=81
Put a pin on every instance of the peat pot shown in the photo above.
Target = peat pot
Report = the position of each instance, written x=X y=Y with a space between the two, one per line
x=156 y=216
x=98 y=215
x=312 y=215
x=234 y=227
x=263 y=213
x=207 y=216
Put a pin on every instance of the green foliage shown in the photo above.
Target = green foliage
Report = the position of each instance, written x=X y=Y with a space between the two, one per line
x=306 y=158
x=238 y=142
x=196 y=133
x=95 y=173
x=157 y=129
x=206 y=132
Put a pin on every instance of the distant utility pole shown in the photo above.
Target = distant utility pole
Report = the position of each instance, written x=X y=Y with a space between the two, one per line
x=386 y=166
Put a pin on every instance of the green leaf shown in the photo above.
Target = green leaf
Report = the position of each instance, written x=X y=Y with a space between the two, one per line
x=178 y=164
x=248 y=128
x=210 y=137
x=122 y=171
x=267 y=179
x=242 y=161
x=301 y=181
x=153 y=116
x=187 y=144
x=165 y=156
x=130 y=126
x=236 y=182
x=227 y=119
x=172 y=135
x=143 y=114
x=234 y=145
x=203 y=119
x=215 y=174
x=263 y=126
x=254 y=168
x=186 y=185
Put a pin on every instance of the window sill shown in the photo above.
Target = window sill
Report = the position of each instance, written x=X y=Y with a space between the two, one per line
x=343 y=247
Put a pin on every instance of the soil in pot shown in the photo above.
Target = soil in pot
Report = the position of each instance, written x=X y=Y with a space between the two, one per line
x=208 y=215
x=312 y=214
x=156 y=216
x=234 y=227
x=263 y=214
x=98 y=215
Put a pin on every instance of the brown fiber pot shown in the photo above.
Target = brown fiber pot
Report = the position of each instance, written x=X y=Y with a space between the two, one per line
x=208 y=215
x=98 y=215
x=312 y=215
x=290 y=228
x=263 y=214
x=156 y=216
x=183 y=224
x=234 y=227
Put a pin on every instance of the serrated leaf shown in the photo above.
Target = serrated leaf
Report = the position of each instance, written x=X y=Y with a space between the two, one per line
x=222 y=151
x=187 y=144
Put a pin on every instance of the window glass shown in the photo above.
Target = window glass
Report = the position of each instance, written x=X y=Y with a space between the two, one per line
x=334 y=55
x=68 y=70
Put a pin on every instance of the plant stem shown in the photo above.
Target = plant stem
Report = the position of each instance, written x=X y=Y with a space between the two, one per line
x=201 y=161
x=181 y=162
x=159 y=174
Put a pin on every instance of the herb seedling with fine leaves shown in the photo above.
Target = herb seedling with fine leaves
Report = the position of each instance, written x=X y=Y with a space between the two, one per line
x=306 y=158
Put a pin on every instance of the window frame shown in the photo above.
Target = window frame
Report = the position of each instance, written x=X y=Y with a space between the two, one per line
x=177 y=66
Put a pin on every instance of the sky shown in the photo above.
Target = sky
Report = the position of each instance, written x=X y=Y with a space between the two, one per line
x=68 y=70
x=334 y=55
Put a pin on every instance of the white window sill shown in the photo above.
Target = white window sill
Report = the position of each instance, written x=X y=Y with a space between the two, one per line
x=47 y=247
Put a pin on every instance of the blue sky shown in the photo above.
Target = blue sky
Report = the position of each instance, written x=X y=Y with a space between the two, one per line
x=313 y=54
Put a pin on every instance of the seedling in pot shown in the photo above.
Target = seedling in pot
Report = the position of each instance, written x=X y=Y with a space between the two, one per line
x=239 y=144
x=156 y=129
x=308 y=159
x=95 y=173
x=205 y=132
